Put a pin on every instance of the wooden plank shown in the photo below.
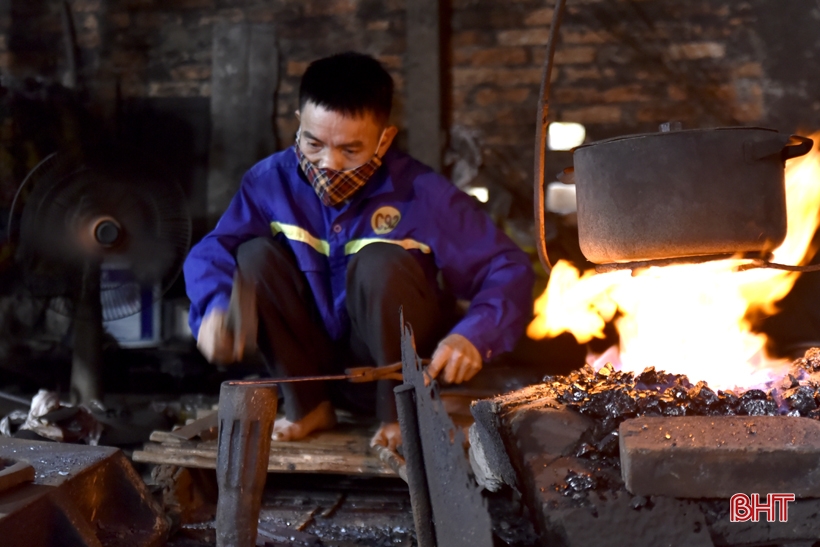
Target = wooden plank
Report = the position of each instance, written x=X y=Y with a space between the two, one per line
x=425 y=134
x=244 y=78
x=343 y=450
x=280 y=461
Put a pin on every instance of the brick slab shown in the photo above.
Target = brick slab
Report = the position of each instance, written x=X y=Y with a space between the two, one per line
x=719 y=456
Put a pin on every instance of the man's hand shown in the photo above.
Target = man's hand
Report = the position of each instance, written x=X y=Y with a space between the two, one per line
x=214 y=340
x=457 y=357
x=388 y=435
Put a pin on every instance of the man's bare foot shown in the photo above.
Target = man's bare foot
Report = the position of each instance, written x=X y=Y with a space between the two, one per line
x=321 y=417
x=389 y=435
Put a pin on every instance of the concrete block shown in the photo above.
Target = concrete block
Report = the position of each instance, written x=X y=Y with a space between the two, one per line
x=802 y=527
x=604 y=517
x=719 y=456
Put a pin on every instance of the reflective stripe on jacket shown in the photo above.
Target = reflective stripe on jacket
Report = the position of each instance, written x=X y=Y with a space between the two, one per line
x=405 y=203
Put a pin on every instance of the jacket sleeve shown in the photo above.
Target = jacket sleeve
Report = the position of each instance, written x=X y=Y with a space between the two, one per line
x=481 y=264
x=210 y=265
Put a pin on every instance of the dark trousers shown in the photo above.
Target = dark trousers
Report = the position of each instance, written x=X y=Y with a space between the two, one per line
x=381 y=279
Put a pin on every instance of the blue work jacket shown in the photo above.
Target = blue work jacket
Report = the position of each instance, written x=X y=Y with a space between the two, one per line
x=405 y=203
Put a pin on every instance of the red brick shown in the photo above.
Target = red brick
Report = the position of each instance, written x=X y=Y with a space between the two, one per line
x=664 y=113
x=88 y=40
x=463 y=55
x=378 y=25
x=719 y=456
x=625 y=94
x=286 y=127
x=499 y=56
x=120 y=20
x=391 y=62
x=676 y=93
x=475 y=117
x=230 y=15
x=569 y=95
x=508 y=77
x=517 y=95
x=748 y=70
x=191 y=72
x=697 y=50
x=592 y=114
x=465 y=38
x=458 y=98
x=315 y=8
x=486 y=96
x=542 y=16
x=85 y=6
x=749 y=106
x=574 y=74
x=297 y=68
x=127 y=59
x=194 y=4
x=585 y=37
x=575 y=55
x=144 y=19
x=5 y=60
x=527 y=37
x=178 y=89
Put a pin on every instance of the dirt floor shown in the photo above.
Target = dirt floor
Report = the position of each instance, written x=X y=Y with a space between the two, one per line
x=323 y=510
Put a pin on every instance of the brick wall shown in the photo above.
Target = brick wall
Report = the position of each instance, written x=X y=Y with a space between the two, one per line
x=621 y=67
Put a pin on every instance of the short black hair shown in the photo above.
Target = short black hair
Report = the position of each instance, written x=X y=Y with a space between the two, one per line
x=350 y=83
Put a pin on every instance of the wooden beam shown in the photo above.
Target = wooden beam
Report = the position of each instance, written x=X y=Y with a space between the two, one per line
x=423 y=110
x=245 y=74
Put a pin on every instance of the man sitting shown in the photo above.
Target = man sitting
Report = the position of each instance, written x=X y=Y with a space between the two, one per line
x=338 y=233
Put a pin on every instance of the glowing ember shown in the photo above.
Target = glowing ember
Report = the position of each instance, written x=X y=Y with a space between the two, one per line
x=689 y=319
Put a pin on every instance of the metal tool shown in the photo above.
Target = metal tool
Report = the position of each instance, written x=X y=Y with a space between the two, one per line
x=356 y=375
x=246 y=416
x=243 y=320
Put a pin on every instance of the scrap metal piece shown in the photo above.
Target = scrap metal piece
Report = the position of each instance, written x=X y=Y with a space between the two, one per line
x=197 y=428
x=81 y=495
x=246 y=416
x=417 y=478
x=460 y=513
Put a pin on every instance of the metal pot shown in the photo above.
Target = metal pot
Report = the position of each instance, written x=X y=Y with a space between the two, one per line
x=683 y=193
x=662 y=197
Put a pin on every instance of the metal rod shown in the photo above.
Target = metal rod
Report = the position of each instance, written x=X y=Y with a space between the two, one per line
x=14 y=398
x=86 y=362
x=273 y=382
x=414 y=458
x=541 y=134
x=760 y=263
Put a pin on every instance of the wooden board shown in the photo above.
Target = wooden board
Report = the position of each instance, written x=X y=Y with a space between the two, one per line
x=343 y=450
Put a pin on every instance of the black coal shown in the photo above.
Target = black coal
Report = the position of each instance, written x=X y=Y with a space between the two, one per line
x=609 y=397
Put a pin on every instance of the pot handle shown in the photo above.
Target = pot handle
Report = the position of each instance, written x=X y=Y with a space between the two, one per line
x=794 y=150
x=787 y=146
x=567 y=176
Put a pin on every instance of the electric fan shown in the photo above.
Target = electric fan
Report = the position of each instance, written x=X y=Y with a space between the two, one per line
x=90 y=235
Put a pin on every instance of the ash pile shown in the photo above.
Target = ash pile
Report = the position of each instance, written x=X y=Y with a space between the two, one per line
x=614 y=458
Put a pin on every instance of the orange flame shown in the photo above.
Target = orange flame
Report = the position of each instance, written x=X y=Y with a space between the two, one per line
x=689 y=319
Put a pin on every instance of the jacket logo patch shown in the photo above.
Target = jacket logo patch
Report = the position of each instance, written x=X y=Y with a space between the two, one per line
x=385 y=219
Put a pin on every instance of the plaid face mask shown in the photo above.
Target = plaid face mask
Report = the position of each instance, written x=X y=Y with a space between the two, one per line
x=332 y=186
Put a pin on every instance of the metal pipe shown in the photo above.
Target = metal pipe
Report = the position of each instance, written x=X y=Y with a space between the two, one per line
x=414 y=458
x=541 y=134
